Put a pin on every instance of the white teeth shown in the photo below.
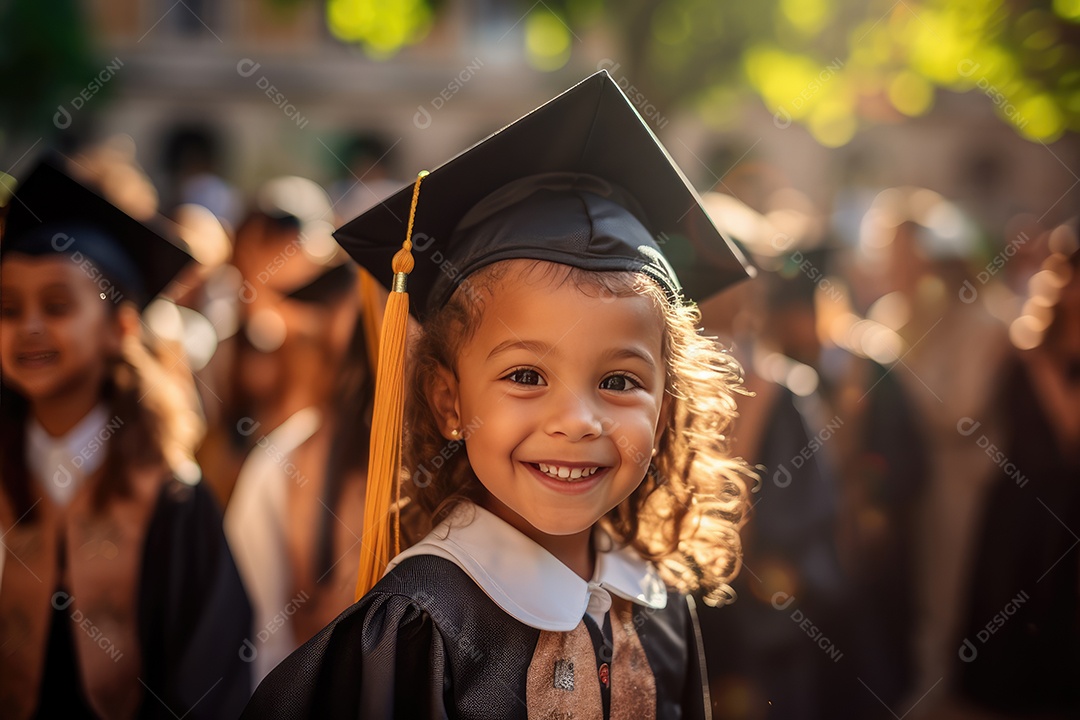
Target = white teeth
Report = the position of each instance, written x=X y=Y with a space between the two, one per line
x=566 y=473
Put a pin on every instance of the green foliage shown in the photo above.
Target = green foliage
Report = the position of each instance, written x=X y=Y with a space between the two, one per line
x=45 y=58
x=834 y=65
x=382 y=27
x=830 y=65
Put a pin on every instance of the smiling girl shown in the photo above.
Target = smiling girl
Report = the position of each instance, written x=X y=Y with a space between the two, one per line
x=120 y=598
x=565 y=439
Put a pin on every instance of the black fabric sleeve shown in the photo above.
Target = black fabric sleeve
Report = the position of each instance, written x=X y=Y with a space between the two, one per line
x=381 y=658
x=193 y=612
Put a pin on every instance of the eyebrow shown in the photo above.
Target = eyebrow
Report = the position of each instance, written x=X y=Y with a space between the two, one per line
x=542 y=349
x=52 y=285
x=630 y=353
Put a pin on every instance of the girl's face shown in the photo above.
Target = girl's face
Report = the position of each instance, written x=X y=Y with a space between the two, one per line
x=56 y=332
x=559 y=395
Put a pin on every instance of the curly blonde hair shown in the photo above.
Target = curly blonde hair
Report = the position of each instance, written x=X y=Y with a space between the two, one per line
x=684 y=516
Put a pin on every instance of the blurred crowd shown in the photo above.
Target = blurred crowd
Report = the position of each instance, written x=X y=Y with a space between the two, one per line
x=912 y=406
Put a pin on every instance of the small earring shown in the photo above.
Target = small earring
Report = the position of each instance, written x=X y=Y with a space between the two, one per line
x=454 y=433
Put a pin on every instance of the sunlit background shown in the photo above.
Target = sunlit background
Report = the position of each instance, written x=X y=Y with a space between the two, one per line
x=974 y=99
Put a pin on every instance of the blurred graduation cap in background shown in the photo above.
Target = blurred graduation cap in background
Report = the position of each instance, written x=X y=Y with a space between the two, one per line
x=52 y=213
x=293 y=201
x=329 y=285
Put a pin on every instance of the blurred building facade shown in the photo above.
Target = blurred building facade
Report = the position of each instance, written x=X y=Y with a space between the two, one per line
x=276 y=93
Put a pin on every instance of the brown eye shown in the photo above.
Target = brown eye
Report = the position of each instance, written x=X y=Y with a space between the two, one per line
x=57 y=308
x=619 y=383
x=525 y=376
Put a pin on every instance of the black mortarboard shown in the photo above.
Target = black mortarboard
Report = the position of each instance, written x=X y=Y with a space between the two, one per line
x=581 y=181
x=52 y=213
x=328 y=286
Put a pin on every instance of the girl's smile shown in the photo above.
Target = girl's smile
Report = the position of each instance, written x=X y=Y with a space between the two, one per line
x=566 y=386
x=569 y=480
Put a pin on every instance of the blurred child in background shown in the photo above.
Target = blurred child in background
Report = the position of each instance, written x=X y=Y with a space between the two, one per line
x=120 y=597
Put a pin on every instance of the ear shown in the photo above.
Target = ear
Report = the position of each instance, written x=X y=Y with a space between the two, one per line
x=130 y=320
x=445 y=401
x=126 y=324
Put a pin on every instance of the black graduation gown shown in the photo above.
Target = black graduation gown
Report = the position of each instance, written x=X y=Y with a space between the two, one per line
x=1021 y=649
x=426 y=642
x=193 y=619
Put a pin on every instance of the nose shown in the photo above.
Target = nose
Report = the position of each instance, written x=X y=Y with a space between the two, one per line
x=30 y=322
x=572 y=415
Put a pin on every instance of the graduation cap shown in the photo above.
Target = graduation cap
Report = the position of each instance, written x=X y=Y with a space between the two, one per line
x=585 y=161
x=332 y=284
x=52 y=213
x=329 y=285
x=580 y=181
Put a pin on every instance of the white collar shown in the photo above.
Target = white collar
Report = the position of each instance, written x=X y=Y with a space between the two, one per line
x=60 y=464
x=527 y=581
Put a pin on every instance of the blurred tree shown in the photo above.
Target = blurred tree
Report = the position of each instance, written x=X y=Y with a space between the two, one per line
x=45 y=60
x=830 y=65
x=382 y=27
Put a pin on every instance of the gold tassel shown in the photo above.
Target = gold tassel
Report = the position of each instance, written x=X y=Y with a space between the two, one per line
x=384 y=463
x=370 y=306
